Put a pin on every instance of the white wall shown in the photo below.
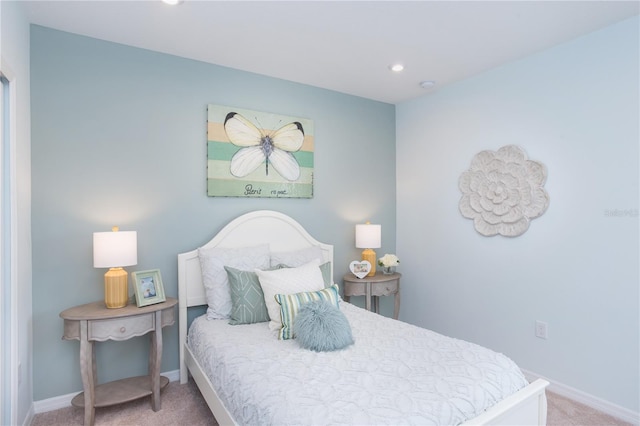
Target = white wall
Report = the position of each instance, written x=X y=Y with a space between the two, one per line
x=575 y=109
x=15 y=56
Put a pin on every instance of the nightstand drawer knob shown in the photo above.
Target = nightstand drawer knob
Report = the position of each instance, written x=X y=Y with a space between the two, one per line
x=123 y=329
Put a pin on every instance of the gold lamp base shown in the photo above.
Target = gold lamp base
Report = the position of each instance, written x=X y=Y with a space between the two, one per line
x=370 y=256
x=115 y=288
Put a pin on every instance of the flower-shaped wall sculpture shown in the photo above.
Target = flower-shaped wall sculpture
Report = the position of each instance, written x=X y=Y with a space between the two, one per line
x=502 y=191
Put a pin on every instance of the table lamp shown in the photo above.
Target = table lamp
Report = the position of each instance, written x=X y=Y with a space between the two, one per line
x=114 y=250
x=368 y=238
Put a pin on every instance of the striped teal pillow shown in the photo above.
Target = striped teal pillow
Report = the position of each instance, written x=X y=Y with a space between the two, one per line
x=291 y=303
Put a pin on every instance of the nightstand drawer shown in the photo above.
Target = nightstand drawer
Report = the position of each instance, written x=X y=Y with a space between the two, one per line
x=355 y=289
x=121 y=328
x=384 y=289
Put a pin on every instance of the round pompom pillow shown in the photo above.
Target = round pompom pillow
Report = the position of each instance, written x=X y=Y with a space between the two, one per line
x=321 y=327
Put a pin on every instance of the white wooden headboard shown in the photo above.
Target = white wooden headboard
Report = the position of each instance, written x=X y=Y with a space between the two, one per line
x=280 y=231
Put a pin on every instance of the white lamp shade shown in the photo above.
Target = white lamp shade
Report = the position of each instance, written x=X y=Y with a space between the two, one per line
x=115 y=249
x=368 y=236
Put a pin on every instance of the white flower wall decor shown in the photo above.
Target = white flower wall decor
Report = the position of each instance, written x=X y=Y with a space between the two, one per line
x=502 y=191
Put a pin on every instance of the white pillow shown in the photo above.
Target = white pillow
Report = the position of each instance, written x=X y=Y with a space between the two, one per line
x=296 y=257
x=214 y=276
x=288 y=281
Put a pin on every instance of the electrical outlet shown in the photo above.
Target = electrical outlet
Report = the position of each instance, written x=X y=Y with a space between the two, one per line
x=541 y=329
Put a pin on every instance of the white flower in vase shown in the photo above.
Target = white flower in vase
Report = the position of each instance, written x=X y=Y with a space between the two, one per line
x=388 y=262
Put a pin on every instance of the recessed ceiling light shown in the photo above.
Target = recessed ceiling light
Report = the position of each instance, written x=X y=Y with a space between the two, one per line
x=396 y=67
x=427 y=84
x=172 y=2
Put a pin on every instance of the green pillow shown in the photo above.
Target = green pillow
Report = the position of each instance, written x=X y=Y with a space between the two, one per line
x=247 y=298
x=325 y=268
x=291 y=303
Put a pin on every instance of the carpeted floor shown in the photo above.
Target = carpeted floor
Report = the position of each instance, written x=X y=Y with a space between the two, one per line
x=563 y=411
x=183 y=405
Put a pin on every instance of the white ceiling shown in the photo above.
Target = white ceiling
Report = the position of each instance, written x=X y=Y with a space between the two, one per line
x=345 y=46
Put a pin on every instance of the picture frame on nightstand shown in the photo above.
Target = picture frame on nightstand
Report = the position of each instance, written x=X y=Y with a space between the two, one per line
x=148 y=288
x=360 y=268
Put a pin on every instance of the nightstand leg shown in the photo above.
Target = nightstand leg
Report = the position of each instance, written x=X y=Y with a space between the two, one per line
x=94 y=367
x=88 y=373
x=368 y=296
x=155 y=359
x=396 y=308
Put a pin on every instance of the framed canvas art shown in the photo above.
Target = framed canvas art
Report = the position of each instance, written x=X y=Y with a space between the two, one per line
x=258 y=154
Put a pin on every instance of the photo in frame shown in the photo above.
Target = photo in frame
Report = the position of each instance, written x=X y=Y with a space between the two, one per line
x=258 y=154
x=148 y=287
x=360 y=268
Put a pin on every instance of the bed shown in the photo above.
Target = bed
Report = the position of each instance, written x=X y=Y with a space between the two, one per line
x=394 y=373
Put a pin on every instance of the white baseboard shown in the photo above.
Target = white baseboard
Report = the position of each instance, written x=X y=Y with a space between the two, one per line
x=64 y=401
x=54 y=403
x=587 y=399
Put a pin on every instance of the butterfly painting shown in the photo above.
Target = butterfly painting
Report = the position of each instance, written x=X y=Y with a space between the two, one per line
x=258 y=154
x=262 y=147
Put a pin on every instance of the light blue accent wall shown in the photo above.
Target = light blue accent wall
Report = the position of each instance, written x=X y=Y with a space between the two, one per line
x=575 y=108
x=119 y=138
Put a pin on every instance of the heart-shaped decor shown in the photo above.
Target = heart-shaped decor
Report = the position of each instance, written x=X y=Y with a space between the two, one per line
x=360 y=268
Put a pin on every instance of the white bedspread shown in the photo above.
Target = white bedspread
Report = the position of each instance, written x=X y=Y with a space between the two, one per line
x=395 y=373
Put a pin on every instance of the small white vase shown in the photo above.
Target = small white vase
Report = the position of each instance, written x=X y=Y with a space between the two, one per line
x=388 y=270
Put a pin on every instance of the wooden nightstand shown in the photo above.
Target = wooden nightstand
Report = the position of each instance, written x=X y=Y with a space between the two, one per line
x=373 y=287
x=94 y=322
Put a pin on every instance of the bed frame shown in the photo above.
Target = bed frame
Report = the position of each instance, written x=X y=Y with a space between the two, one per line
x=526 y=407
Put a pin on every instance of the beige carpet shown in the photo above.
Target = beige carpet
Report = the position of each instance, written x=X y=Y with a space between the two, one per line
x=183 y=405
x=563 y=411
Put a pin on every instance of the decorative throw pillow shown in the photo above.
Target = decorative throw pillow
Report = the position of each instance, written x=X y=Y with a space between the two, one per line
x=214 y=277
x=321 y=327
x=247 y=298
x=286 y=281
x=297 y=258
x=325 y=269
x=290 y=304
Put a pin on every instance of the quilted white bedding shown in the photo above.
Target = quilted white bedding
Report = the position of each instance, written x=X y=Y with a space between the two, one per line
x=395 y=373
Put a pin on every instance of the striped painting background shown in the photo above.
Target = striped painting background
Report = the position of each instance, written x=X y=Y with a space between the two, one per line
x=220 y=181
